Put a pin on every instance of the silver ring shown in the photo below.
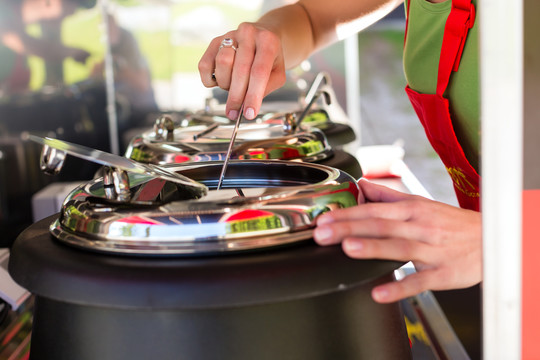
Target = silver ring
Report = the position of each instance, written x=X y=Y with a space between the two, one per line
x=227 y=43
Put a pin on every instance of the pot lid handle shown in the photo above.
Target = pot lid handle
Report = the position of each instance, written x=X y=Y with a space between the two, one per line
x=119 y=162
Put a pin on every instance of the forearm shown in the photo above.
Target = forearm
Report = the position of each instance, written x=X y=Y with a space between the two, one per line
x=280 y=40
x=293 y=26
x=309 y=25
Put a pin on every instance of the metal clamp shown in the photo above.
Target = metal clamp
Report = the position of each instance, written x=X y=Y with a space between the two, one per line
x=164 y=128
x=116 y=184
x=52 y=160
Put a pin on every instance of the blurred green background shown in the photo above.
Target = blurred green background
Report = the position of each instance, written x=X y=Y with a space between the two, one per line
x=165 y=56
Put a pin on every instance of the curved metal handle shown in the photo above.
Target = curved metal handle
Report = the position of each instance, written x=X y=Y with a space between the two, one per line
x=122 y=163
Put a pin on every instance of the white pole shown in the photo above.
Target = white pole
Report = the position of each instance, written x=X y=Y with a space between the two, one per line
x=501 y=66
x=352 y=84
x=109 y=83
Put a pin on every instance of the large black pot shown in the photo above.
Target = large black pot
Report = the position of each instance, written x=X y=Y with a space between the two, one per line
x=296 y=302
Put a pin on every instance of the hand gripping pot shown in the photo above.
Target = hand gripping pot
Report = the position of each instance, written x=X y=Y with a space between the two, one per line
x=175 y=209
x=262 y=204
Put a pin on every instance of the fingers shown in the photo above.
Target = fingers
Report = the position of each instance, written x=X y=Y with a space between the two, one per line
x=379 y=193
x=258 y=51
x=241 y=70
x=443 y=241
x=264 y=76
x=207 y=63
x=249 y=73
x=409 y=286
x=389 y=249
x=383 y=202
x=224 y=67
x=335 y=232
x=397 y=211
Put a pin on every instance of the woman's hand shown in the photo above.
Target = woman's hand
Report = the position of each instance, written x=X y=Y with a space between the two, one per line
x=444 y=242
x=281 y=39
x=250 y=70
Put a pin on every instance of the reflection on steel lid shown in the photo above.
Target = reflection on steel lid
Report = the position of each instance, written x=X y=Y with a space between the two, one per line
x=262 y=204
x=200 y=142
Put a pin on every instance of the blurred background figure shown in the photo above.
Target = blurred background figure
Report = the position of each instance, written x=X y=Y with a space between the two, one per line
x=36 y=97
x=132 y=79
x=17 y=44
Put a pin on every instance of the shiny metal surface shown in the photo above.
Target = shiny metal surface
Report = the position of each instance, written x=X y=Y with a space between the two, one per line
x=118 y=162
x=52 y=160
x=231 y=144
x=309 y=106
x=293 y=134
x=163 y=128
x=262 y=204
x=254 y=141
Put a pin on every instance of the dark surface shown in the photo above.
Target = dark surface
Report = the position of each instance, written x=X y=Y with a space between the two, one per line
x=463 y=309
x=300 y=302
x=51 y=269
x=344 y=161
x=338 y=134
x=76 y=114
x=339 y=325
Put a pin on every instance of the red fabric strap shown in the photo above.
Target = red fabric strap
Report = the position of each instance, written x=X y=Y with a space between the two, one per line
x=460 y=20
x=406 y=22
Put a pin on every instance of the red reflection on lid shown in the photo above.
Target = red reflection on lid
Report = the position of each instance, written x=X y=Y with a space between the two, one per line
x=248 y=214
x=138 y=220
x=181 y=158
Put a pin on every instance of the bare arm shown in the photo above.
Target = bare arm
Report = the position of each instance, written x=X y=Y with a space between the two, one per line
x=279 y=40
x=325 y=22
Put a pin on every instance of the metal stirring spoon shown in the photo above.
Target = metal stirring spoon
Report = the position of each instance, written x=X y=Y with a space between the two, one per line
x=229 y=150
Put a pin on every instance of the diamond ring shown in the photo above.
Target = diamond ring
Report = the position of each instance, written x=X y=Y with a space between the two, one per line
x=227 y=43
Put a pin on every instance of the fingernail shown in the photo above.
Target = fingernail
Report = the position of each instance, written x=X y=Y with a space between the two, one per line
x=380 y=294
x=249 y=114
x=353 y=245
x=233 y=114
x=323 y=235
x=324 y=219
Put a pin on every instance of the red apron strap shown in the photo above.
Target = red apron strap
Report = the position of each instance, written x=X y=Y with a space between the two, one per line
x=407 y=21
x=460 y=20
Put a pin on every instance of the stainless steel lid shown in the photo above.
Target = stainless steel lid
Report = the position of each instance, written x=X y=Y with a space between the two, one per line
x=175 y=208
x=172 y=143
x=283 y=135
x=262 y=204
